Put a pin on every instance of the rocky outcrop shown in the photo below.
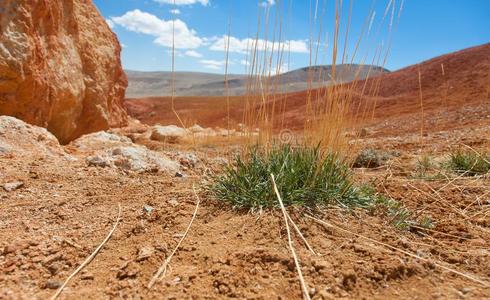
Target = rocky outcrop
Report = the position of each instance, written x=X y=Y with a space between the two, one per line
x=60 y=67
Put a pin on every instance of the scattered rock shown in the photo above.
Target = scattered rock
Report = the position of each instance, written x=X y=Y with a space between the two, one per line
x=167 y=134
x=12 y=186
x=148 y=209
x=97 y=161
x=188 y=160
x=133 y=158
x=128 y=270
x=52 y=284
x=86 y=276
x=179 y=174
x=173 y=202
x=145 y=253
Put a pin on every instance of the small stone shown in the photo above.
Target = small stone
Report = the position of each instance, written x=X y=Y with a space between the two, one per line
x=87 y=276
x=55 y=268
x=145 y=253
x=12 y=186
x=52 y=284
x=97 y=161
x=179 y=174
x=128 y=270
x=148 y=208
x=52 y=258
x=173 y=202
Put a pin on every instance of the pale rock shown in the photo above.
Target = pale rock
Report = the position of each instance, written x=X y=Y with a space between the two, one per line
x=196 y=129
x=21 y=139
x=99 y=141
x=134 y=158
x=168 y=134
x=12 y=186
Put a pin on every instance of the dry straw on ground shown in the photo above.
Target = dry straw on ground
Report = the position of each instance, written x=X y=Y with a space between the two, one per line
x=163 y=268
x=90 y=258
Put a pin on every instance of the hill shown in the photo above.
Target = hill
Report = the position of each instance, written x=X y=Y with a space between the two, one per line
x=147 y=84
x=465 y=84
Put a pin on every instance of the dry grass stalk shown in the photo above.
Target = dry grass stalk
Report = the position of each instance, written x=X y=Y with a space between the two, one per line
x=304 y=287
x=162 y=270
x=465 y=275
x=90 y=258
x=301 y=235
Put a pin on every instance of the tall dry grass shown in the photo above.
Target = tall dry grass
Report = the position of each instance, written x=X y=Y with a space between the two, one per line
x=332 y=110
x=331 y=107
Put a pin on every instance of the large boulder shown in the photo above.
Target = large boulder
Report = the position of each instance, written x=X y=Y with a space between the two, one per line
x=60 y=67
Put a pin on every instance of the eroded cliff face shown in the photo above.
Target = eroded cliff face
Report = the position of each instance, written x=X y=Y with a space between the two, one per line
x=60 y=67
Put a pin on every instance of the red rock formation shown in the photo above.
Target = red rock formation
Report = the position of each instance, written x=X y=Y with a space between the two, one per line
x=60 y=67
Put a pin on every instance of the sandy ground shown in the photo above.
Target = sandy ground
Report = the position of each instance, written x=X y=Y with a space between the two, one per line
x=65 y=209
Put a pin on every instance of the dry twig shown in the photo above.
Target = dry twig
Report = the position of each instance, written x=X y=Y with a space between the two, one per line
x=163 y=267
x=304 y=287
x=90 y=258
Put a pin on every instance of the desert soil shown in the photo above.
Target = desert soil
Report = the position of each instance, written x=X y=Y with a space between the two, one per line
x=65 y=209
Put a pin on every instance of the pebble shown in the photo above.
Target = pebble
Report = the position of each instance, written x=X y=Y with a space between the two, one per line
x=52 y=284
x=145 y=253
x=12 y=186
x=148 y=208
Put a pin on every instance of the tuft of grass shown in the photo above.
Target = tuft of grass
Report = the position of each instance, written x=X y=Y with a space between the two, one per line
x=469 y=163
x=305 y=176
x=424 y=164
x=371 y=158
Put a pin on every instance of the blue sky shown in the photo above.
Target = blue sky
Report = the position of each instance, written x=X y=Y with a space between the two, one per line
x=423 y=29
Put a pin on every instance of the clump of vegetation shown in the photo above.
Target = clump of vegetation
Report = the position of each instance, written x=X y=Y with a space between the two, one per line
x=371 y=158
x=424 y=164
x=306 y=176
x=469 y=163
x=427 y=168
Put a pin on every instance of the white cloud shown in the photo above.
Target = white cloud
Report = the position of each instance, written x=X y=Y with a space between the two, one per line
x=244 y=62
x=248 y=44
x=142 y=22
x=193 y=53
x=183 y=2
x=214 y=64
x=282 y=68
x=268 y=3
x=175 y=11
x=110 y=23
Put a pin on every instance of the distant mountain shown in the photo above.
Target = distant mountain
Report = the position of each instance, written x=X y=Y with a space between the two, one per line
x=147 y=84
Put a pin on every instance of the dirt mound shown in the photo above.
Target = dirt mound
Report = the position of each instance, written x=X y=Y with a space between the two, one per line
x=60 y=66
x=18 y=139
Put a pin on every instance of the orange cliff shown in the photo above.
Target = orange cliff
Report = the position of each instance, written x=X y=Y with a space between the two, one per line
x=60 y=67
